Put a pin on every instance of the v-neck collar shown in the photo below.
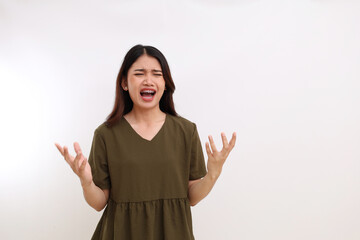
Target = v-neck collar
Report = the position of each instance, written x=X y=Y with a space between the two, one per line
x=155 y=136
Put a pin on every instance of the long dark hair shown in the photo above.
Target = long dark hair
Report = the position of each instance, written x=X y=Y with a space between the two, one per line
x=123 y=103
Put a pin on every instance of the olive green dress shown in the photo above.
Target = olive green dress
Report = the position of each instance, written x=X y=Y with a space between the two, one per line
x=148 y=180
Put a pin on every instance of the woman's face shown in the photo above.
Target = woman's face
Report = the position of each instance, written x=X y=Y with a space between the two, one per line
x=145 y=82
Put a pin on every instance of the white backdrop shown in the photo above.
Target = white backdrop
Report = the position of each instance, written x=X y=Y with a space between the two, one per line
x=283 y=74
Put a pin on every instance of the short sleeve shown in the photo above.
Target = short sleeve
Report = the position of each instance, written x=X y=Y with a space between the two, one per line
x=197 y=161
x=98 y=162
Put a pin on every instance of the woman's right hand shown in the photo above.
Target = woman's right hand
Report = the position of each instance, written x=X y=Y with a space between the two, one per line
x=79 y=164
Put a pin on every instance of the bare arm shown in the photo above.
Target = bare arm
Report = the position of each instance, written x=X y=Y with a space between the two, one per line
x=200 y=188
x=96 y=197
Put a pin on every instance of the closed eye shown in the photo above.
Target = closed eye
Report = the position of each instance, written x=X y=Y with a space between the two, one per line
x=139 y=74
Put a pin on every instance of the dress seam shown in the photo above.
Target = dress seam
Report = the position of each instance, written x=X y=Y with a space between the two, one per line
x=182 y=198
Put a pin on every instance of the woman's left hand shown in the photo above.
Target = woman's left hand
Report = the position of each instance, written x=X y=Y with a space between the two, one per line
x=217 y=159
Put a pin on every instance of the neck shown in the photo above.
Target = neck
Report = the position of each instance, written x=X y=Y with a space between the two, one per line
x=147 y=116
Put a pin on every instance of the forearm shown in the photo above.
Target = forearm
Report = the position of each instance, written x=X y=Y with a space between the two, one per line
x=94 y=196
x=201 y=189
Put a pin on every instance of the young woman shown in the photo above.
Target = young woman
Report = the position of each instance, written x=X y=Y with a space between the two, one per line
x=146 y=164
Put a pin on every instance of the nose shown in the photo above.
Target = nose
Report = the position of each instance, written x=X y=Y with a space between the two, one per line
x=148 y=80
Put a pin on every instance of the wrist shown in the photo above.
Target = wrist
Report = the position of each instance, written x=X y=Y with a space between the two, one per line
x=213 y=176
x=85 y=184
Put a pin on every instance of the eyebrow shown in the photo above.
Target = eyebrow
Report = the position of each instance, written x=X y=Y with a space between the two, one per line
x=143 y=70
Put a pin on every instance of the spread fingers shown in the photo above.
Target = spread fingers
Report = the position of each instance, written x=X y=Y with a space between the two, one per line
x=212 y=144
x=66 y=155
x=225 y=141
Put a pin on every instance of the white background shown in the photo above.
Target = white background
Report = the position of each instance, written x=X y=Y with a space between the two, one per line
x=283 y=74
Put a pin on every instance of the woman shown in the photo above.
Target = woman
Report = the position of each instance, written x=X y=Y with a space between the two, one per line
x=146 y=164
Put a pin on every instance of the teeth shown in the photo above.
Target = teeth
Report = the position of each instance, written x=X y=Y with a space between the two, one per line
x=148 y=91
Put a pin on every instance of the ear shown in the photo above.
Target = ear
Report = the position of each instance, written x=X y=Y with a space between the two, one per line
x=124 y=84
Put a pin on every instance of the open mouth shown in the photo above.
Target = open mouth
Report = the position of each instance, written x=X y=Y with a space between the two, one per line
x=147 y=95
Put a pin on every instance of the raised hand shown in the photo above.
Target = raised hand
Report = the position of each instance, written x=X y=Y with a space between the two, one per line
x=79 y=164
x=217 y=159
